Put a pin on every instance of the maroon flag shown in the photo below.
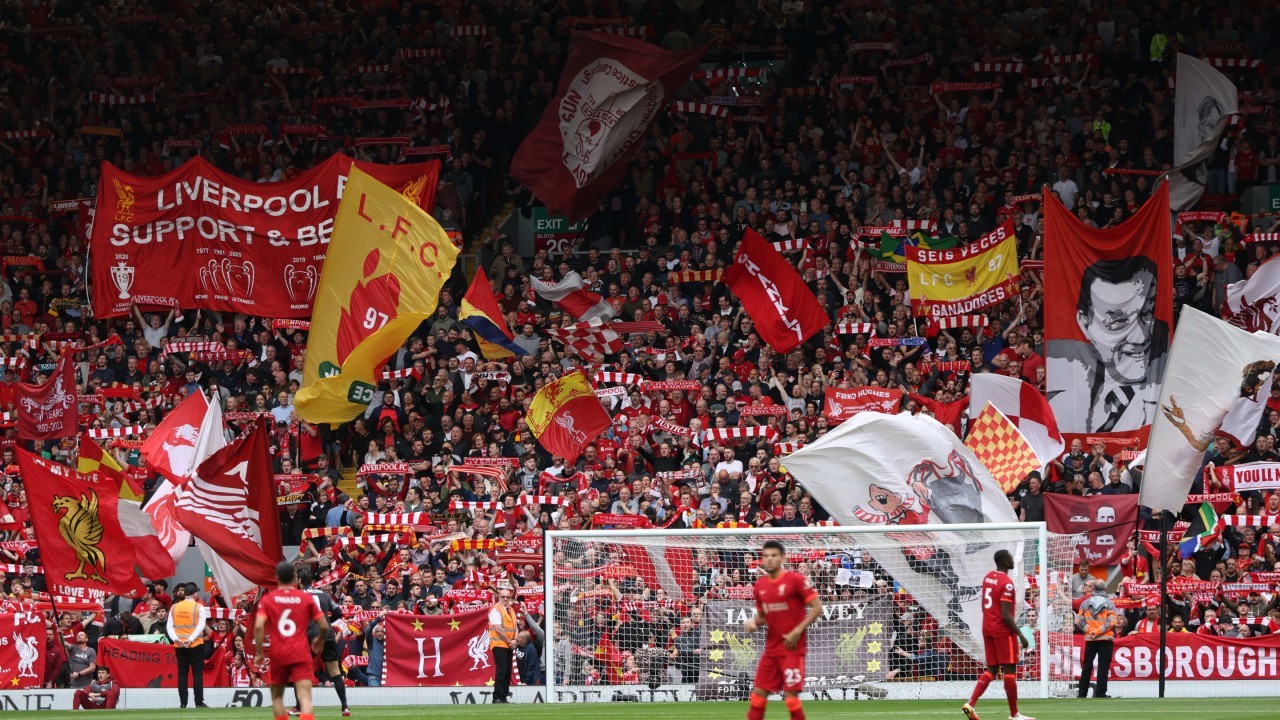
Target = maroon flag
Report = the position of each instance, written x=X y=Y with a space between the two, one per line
x=438 y=650
x=230 y=504
x=48 y=411
x=1107 y=521
x=785 y=311
x=843 y=404
x=611 y=89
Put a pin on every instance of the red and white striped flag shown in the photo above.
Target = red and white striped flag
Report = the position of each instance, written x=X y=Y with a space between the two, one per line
x=1073 y=58
x=792 y=245
x=98 y=98
x=851 y=328
x=725 y=73
x=588 y=340
x=366 y=69
x=739 y=433
x=998 y=67
x=958 y=321
x=419 y=53
x=401 y=374
x=1225 y=62
x=619 y=377
x=699 y=108
x=473 y=30
x=692 y=276
x=104 y=433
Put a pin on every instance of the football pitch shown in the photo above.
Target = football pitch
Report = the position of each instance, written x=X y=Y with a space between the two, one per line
x=992 y=709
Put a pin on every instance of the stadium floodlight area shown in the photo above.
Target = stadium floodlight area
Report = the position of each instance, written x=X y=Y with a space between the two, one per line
x=902 y=610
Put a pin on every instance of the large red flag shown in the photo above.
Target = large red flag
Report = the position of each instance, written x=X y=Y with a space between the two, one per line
x=785 y=311
x=566 y=416
x=438 y=650
x=171 y=451
x=611 y=89
x=22 y=654
x=1107 y=522
x=230 y=504
x=82 y=545
x=48 y=411
x=1108 y=316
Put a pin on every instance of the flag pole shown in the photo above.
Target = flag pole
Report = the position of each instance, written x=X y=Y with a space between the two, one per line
x=57 y=614
x=1164 y=596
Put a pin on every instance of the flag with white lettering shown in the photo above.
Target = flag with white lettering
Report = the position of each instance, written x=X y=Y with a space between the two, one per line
x=784 y=309
x=946 y=283
x=22 y=652
x=438 y=650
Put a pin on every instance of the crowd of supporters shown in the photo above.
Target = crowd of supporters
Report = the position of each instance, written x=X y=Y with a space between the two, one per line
x=812 y=158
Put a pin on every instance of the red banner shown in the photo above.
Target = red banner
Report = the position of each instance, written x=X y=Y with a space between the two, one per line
x=1250 y=476
x=1107 y=522
x=438 y=650
x=22 y=649
x=199 y=238
x=1190 y=657
x=48 y=411
x=612 y=88
x=155 y=665
x=844 y=404
x=1108 y=316
x=784 y=309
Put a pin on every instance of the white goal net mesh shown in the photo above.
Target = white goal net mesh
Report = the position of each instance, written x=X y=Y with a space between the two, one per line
x=659 y=615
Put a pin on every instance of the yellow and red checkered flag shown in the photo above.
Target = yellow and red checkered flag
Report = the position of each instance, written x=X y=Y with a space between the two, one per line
x=1002 y=447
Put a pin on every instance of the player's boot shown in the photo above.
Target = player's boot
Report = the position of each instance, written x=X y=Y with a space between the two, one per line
x=969 y=712
x=1020 y=716
x=346 y=712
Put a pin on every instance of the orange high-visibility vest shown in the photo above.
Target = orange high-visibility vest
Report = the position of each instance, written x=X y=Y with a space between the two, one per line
x=499 y=639
x=186 y=617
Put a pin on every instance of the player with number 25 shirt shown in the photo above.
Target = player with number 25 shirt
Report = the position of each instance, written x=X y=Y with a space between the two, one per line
x=286 y=612
x=786 y=604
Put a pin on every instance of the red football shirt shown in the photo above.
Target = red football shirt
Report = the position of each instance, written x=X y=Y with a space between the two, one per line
x=288 y=612
x=783 y=603
x=997 y=589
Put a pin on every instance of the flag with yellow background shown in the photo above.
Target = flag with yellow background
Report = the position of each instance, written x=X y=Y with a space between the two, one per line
x=386 y=265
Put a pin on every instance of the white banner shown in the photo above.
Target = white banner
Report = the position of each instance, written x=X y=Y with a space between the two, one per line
x=877 y=469
x=1204 y=101
x=1209 y=364
x=1253 y=305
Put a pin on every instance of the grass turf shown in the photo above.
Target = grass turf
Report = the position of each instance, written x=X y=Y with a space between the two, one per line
x=992 y=709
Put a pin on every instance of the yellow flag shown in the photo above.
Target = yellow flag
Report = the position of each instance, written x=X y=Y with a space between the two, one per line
x=386 y=264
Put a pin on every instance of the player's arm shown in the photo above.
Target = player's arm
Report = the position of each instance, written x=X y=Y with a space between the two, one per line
x=758 y=621
x=1006 y=614
x=792 y=638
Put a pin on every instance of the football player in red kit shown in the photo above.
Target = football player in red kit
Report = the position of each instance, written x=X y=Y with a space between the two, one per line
x=288 y=610
x=1002 y=637
x=781 y=598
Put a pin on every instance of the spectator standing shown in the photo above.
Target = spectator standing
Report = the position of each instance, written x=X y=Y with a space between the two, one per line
x=502 y=635
x=1097 y=620
x=186 y=630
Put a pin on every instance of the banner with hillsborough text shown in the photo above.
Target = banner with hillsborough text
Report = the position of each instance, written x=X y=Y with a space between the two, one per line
x=197 y=237
x=1190 y=657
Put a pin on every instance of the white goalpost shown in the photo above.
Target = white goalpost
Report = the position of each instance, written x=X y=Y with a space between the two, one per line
x=656 y=615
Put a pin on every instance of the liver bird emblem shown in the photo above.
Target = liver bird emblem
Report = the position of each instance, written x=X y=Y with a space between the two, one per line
x=82 y=531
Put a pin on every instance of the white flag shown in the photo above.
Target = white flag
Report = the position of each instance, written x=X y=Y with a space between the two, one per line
x=1212 y=365
x=1204 y=101
x=877 y=469
x=1253 y=305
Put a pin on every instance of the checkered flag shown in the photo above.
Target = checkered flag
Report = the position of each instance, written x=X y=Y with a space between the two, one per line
x=1002 y=448
x=589 y=340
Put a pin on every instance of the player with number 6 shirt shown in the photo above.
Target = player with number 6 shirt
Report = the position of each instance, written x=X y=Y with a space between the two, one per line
x=782 y=597
x=1002 y=637
x=287 y=611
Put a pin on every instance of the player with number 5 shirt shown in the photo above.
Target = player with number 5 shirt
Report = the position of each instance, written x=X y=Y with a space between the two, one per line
x=1002 y=636
x=287 y=611
x=782 y=597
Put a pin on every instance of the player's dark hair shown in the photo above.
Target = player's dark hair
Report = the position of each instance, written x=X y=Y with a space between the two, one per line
x=305 y=577
x=285 y=572
x=774 y=545
x=1003 y=557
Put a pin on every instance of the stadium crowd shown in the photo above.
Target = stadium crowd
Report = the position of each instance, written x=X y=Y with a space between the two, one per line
x=813 y=159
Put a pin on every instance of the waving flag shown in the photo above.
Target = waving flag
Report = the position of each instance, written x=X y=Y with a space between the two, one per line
x=1024 y=406
x=1204 y=102
x=93 y=459
x=955 y=282
x=566 y=416
x=1253 y=304
x=82 y=545
x=784 y=309
x=230 y=505
x=612 y=88
x=386 y=265
x=1212 y=365
x=48 y=411
x=570 y=296
x=912 y=471
x=481 y=313
x=1001 y=448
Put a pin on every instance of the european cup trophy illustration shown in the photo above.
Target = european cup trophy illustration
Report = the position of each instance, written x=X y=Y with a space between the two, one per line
x=122 y=276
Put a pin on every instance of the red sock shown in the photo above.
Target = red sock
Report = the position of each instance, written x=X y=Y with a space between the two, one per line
x=983 y=681
x=797 y=709
x=1011 y=691
x=283 y=717
x=756 y=711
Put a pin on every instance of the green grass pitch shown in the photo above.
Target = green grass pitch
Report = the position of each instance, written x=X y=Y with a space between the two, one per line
x=992 y=709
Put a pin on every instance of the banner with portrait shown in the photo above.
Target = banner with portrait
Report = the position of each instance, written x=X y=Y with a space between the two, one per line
x=1108 y=313
x=197 y=237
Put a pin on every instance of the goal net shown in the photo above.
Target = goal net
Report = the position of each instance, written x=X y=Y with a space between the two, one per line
x=645 y=615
